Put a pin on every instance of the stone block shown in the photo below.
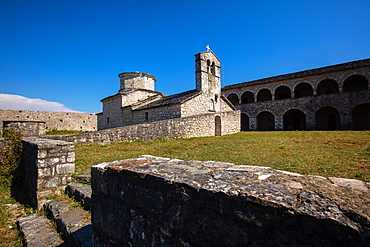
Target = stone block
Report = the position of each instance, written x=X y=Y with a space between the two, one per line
x=65 y=169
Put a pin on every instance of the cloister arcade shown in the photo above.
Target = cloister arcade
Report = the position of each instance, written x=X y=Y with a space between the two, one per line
x=321 y=101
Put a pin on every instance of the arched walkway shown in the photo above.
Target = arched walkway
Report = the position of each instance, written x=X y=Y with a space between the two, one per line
x=266 y=121
x=247 y=97
x=244 y=123
x=361 y=117
x=264 y=95
x=294 y=120
x=282 y=92
x=233 y=98
x=327 y=86
x=327 y=118
x=303 y=90
x=355 y=83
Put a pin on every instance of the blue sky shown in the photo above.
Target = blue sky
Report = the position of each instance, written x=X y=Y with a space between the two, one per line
x=69 y=52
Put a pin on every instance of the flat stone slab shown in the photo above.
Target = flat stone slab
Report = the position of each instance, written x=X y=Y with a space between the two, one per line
x=180 y=203
x=349 y=183
x=39 y=232
x=81 y=193
x=72 y=223
x=84 y=177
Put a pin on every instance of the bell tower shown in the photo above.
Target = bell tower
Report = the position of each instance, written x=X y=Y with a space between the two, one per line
x=208 y=77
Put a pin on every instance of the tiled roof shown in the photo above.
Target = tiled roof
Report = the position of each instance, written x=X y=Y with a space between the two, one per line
x=170 y=100
x=305 y=73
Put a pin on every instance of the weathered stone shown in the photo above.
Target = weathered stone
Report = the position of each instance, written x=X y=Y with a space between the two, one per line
x=45 y=172
x=34 y=123
x=38 y=231
x=162 y=205
x=73 y=223
x=65 y=169
x=349 y=183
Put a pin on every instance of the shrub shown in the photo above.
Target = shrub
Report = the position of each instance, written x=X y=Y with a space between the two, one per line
x=10 y=156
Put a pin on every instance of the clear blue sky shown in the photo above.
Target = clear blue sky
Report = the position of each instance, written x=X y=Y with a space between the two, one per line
x=71 y=51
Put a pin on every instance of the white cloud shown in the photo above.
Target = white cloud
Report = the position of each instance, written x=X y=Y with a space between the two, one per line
x=17 y=102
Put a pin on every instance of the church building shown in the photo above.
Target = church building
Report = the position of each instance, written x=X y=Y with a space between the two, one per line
x=137 y=102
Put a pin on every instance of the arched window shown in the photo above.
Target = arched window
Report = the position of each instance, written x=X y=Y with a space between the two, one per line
x=266 y=121
x=244 y=122
x=282 y=92
x=247 y=97
x=361 y=117
x=355 y=83
x=264 y=95
x=303 y=90
x=327 y=118
x=233 y=98
x=327 y=86
x=208 y=66
x=294 y=120
x=213 y=68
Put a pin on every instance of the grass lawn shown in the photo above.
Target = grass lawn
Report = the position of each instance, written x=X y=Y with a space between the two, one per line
x=327 y=153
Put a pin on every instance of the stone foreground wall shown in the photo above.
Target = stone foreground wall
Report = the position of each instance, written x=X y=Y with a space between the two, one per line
x=153 y=201
x=194 y=126
x=53 y=120
x=49 y=165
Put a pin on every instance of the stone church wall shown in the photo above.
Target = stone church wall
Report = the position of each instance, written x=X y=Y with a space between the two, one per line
x=194 y=126
x=53 y=120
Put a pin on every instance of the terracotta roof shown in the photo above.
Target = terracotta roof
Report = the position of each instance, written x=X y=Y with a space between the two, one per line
x=170 y=100
x=305 y=73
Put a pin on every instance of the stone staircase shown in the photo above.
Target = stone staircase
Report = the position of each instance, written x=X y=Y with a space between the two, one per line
x=63 y=223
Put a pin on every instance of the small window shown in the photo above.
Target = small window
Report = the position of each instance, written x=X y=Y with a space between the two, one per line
x=107 y=119
x=213 y=68
x=146 y=116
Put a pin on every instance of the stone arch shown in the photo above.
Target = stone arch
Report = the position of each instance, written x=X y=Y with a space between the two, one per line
x=283 y=92
x=303 y=89
x=327 y=118
x=218 y=126
x=244 y=122
x=294 y=120
x=208 y=66
x=355 y=83
x=213 y=68
x=327 y=86
x=247 y=97
x=233 y=98
x=361 y=117
x=264 y=95
x=266 y=121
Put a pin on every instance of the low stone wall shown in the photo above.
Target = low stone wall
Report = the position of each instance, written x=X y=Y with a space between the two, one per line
x=194 y=126
x=26 y=128
x=53 y=120
x=153 y=201
x=49 y=165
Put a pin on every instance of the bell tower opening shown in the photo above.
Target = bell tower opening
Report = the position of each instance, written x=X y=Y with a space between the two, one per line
x=208 y=76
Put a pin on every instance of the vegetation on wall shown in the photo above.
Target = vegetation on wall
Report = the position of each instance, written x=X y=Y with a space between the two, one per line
x=10 y=156
x=63 y=132
x=10 y=159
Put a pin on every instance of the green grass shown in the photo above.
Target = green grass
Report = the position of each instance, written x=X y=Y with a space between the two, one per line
x=63 y=132
x=326 y=153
